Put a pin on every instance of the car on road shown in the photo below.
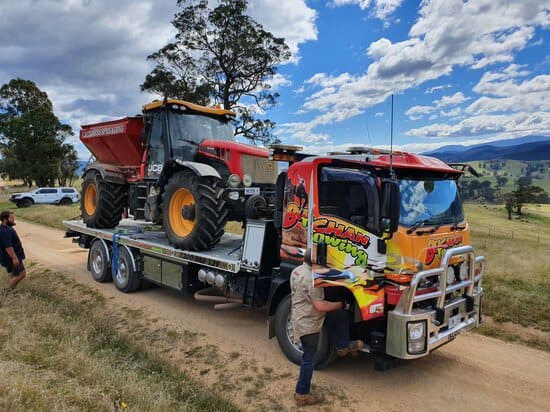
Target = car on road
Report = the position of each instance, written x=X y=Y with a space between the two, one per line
x=46 y=195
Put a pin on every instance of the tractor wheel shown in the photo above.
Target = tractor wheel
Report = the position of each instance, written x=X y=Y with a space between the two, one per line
x=101 y=202
x=194 y=212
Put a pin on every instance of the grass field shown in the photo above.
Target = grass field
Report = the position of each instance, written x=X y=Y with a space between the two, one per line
x=516 y=283
x=62 y=348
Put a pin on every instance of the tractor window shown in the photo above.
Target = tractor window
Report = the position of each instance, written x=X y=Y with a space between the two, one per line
x=155 y=149
x=350 y=194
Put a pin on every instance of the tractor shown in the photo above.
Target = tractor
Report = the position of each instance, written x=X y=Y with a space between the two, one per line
x=177 y=164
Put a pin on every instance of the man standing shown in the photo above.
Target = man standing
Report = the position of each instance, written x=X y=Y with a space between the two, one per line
x=11 y=250
x=308 y=314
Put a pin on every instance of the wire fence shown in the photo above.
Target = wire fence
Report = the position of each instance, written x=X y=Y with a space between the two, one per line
x=501 y=233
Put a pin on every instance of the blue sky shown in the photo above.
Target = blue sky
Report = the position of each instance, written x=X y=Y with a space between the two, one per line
x=461 y=72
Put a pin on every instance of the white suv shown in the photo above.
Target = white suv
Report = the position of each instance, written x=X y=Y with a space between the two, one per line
x=49 y=195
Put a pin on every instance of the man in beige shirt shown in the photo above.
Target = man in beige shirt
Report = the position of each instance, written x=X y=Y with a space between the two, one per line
x=308 y=315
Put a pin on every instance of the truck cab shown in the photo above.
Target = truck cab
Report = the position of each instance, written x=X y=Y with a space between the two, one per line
x=388 y=232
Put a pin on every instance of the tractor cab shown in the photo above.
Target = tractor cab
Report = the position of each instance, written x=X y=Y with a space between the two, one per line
x=175 y=129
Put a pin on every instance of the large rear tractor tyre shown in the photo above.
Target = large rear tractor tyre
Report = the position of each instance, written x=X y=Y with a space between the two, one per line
x=194 y=212
x=101 y=202
x=292 y=347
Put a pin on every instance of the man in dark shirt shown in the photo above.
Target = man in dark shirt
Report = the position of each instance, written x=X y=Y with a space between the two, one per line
x=11 y=250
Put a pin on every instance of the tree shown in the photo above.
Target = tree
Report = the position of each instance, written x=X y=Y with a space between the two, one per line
x=68 y=165
x=509 y=203
x=501 y=181
x=220 y=54
x=31 y=136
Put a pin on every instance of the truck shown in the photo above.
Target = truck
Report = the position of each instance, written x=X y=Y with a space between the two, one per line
x=387 y=233
x=176 y=164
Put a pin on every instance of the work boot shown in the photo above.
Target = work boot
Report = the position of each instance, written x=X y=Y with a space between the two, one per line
x=308 y=399
x=353 y=348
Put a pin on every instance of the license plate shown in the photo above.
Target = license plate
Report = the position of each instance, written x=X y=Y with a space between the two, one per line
x=454 y=321
x=251 y=191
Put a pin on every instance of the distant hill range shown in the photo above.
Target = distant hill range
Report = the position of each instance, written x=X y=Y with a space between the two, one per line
x=521 y=148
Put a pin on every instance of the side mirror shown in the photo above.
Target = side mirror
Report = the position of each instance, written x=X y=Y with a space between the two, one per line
x=389 y=208
x=319 y=254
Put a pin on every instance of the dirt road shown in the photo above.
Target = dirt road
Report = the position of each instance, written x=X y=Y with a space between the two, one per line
x=471 y=373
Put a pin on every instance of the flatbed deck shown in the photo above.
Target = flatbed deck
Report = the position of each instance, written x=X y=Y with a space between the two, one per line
x=226 y=255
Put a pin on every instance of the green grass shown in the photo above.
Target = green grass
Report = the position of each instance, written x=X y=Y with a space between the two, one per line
x=517 y=286
x=61 y=348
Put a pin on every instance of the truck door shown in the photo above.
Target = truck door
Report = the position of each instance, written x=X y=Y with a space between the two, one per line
x=156 y=144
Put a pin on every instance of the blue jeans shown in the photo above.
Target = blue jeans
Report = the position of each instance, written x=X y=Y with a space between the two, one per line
x=309 y=346
x=337 y=325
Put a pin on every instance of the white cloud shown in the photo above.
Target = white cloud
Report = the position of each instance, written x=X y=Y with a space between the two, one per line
x=448 y=33
x=379 y=114
x=382 y=9
x=519 y=123
x=417 y=112
x=291 y=19
x=436 y=88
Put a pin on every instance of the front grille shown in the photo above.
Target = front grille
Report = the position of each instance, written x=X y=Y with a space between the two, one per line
x=261 y=169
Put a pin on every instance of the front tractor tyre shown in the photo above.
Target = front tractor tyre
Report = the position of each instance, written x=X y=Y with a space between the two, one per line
x=101 y=202
x=194 y=212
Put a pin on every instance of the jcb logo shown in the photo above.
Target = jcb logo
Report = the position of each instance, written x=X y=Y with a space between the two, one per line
x=154 y=168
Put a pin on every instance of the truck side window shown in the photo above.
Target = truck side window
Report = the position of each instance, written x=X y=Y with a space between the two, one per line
x=350 y=195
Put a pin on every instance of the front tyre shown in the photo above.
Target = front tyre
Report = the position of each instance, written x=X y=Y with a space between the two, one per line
x=194 y=212
x=291 y=347
x=101 y=202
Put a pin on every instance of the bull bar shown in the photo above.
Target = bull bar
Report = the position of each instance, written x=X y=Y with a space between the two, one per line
x=444 y=321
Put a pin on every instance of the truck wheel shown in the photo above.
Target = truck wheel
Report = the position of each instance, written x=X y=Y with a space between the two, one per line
x=126 y=279
x=101 y=202
x=25 y=202
x=98 y=259
x=194 y=212
x=291 y=347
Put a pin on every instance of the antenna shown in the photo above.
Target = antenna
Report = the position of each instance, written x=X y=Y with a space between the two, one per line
x=391 y=140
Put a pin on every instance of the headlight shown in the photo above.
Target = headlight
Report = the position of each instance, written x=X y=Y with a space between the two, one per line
x=450 y=275
x=416 y=337
x=464 y=271
x=233 y=195
x=233 y=180
x=416 y=330
x=247 y=180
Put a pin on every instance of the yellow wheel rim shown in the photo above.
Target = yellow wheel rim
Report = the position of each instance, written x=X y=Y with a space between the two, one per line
x=180 y=199
x=90 y=200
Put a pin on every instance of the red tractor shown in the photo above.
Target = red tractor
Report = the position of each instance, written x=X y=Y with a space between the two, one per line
x=177 y=165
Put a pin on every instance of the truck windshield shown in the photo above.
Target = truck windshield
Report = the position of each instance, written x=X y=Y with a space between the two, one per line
x=194 y=128
x=429 y=202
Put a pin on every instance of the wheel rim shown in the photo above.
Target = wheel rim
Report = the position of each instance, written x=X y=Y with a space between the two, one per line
x=290 y=335
x=97 y=263
x=181 y=199
x=90 y=199
x=122 y=273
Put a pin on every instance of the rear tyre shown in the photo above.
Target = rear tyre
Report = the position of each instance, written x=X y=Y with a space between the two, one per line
x=194 y=212
x=99 y=262
x=101 y=202
x=291 y=347
x=65 y=201
x=126 y=279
